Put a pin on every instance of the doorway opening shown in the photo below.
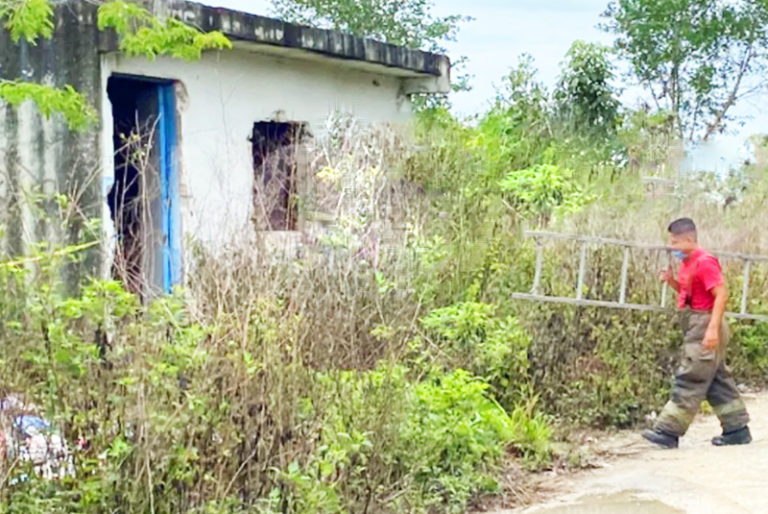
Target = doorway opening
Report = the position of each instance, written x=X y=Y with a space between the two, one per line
x=144 y=199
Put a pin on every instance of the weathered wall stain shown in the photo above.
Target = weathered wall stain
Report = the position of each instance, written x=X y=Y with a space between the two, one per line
x=39 y=155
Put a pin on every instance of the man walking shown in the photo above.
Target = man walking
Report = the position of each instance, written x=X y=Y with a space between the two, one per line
x=702 y=299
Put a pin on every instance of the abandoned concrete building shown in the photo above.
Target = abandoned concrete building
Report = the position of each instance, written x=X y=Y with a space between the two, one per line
x=217 y=129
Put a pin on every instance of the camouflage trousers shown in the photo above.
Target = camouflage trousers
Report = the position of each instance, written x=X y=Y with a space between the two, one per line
x=702 y=375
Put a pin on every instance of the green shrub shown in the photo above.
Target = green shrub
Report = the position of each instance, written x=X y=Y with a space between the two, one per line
x=495 y=348
x=748 y=351
x=387 y=369
x=440 y=442
x=453 y=437
x=536 y=193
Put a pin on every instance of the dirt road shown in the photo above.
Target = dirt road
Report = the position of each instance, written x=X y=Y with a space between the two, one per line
x=697 y=478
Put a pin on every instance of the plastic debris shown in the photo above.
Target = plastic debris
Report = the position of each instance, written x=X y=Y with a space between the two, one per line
x=28 y=438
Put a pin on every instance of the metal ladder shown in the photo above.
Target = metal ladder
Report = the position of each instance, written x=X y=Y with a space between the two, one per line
x=584 y=241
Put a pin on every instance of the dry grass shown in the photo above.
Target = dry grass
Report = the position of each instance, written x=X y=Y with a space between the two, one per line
x=207 y=399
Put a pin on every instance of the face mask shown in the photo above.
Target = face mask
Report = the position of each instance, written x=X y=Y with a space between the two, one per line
x=678 y=254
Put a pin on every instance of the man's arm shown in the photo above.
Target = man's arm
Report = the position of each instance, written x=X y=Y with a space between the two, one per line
x=712 y=336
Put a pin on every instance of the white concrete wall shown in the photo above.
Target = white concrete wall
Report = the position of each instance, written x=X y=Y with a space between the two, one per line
x=219 y=99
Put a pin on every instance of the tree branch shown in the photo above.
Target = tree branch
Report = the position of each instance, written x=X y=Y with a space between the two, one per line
x=734 y=95
x=695 y=118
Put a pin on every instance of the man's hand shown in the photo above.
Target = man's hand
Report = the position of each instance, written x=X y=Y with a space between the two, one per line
x=712 y=335
x=668 y=277
x=711 y=338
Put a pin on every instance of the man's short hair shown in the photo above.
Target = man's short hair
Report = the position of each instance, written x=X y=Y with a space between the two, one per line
x=682 y=226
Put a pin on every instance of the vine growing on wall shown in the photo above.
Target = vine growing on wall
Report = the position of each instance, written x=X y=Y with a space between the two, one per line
x=140 y=33
x=28 y=19
x=76 y=110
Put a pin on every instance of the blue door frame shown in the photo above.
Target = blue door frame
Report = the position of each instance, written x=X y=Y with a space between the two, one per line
x=169 y=180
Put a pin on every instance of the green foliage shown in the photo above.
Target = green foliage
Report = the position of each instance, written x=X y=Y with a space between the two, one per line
x=696 y=57
x=49 y=100
x=749 y=356
x=584 y=95
x=63 y=361
x=462 y=165
x=27 y=19
x=444 y=437
x=407 y=23
x=647 y=137
x=30 y=20
x=498 y=349
x=145 y=35
x=598 y=367
x=166 y=405
x=140 y=33
x=588 y=366
x=453 y=438
x=355 y=442
x=533 y=435
x=524 y=110
x=574 y=125
x=471 y=333
x=539 y=191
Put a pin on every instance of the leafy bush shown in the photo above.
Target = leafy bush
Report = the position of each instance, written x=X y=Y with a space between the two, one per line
x=454 y=439
x=494 y=348
x=748 y=352
x=535 y=193
x=386 y=441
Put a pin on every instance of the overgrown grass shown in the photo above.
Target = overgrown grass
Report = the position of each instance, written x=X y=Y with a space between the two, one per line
x=384 y=368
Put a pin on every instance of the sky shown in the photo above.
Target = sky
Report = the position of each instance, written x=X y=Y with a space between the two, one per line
x=503 y=30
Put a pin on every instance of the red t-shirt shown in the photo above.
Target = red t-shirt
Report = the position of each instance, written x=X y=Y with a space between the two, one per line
x=707 y=275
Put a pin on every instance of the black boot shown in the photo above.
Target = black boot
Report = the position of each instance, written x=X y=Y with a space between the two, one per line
x=740 y=436
x=661 y=438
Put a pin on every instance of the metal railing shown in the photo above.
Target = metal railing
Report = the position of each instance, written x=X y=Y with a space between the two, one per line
x=584 y=242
